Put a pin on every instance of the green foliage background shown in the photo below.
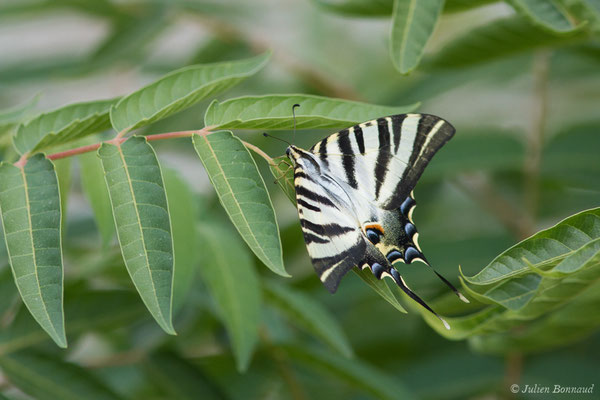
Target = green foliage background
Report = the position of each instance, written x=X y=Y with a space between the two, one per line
x=110 y=251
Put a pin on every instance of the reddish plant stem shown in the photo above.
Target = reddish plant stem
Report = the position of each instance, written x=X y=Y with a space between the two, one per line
x=150 y=138
x=259 y=152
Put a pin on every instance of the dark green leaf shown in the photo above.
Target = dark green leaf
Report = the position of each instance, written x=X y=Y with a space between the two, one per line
x=356 y=373
x=179 y=90
x=230 y=278
x=46 y=377
x=63 y=125
x=413 y=23
x=243 y=194
x=310 y=315
x=31 y=217
x=139 y=203
x=275 y=112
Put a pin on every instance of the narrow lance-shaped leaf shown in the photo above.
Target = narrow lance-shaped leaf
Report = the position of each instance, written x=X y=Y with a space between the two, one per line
x=548 y=14
x=229 y=275
x=31 y=217
x=92 y=175
x=135 y=184
x=179 y=90
x=413 y=22
x=243 y=194
x=46 y=377
x=182 y=209
x=310 y=315
x=63 y=125
x=275 y=112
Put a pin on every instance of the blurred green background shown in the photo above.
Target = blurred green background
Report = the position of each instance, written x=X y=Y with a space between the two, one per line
x=526 y=155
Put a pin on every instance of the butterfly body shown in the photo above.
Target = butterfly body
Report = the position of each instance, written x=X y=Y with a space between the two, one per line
x=354 y=195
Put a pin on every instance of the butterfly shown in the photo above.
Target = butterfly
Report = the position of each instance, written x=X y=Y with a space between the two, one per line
x=354 y=192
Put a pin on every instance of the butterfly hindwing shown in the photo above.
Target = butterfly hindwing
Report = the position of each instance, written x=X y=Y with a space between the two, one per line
x=385 y=157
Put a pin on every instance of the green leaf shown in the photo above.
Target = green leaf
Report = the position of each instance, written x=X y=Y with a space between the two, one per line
x=498 y=39
x=356 y=373
x=515 y=293
x=139 y=203
x=545 y=13
x=283 y=172
x=275 y=112
x=84 y=311
x=310 y=315
x=91 y=173
x=179 y=90
x=230 y=278
x=243 y=194
x=46 y=377
x=181 y=379
x=413 y=23
x=31 y=217
x=544 y=248
x=361 y=8
x=63 y=168
x=12 y=116
x=182 y=209
x=63 y=125
x=380 y=287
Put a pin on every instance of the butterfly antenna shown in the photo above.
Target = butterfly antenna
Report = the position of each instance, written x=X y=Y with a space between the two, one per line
x=265 y=134
x=294 y=117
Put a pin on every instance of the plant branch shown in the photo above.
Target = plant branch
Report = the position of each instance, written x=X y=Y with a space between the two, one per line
x=259 y=152
x=535 y=142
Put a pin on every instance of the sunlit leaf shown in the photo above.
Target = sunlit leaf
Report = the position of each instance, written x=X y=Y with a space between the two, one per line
x=134 y=180
x=545 y=13
x=413 y=23
x=230 y=278
x=92 y=177
x=544 y=248
x=182 y=209
x=275 y=112
x=179 y=90
x=47 y=377
x=31 y=217
x=497 y=39
x=375 y=382
x=63 y=125
x=310 y=315
x=243 y=194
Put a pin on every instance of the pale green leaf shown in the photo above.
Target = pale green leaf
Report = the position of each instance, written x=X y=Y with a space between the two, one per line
x=179 y=90
x=283 y=172
x=310 y=315
x=515 y=293
x=63 y=169
x=544 y=248
x=361 y=8
x=10 y=117
x=413 y=23
x=498 y=39
x=547 y=14
x=183 y=211
x=230 y=278
x=92 y=177
x=63 y=125
x=31 y=217
x=275 y=112
x=375 y=382
x=47 y=377
x=139 y=203
x=243 y=194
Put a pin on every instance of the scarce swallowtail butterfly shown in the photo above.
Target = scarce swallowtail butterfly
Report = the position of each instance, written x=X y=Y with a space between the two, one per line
x=354 y=196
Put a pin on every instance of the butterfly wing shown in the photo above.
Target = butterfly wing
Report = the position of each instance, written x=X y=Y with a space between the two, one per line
x=333 y=237
x=385 y=157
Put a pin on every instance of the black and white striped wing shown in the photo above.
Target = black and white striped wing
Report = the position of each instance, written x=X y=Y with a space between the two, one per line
x=385 y=158
x=333 y=239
